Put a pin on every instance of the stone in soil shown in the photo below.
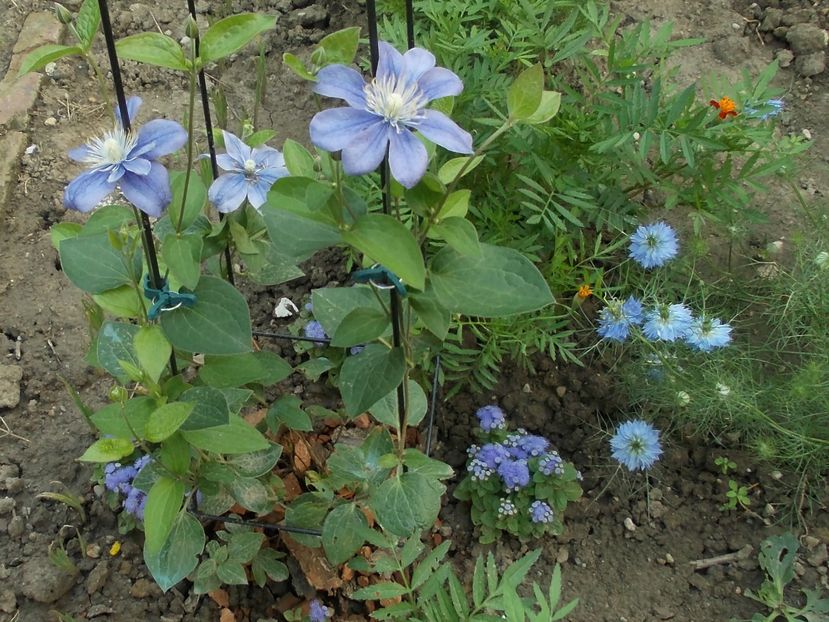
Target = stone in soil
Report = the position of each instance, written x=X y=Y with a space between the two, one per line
x=8 y=601
x=810 y=64
x=10 y=377
x=44 y=582
x=97 y=577
x=806 y=38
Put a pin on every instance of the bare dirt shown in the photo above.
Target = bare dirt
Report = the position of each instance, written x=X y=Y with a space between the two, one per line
x=620 y=574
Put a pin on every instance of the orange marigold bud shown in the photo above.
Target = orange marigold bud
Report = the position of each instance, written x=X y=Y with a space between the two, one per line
x=726 y=106
x=584 y=291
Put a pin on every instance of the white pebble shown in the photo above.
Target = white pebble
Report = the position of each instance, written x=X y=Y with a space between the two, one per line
x=629 y=524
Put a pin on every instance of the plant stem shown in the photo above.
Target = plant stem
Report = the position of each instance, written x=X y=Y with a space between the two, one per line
x=190 y=112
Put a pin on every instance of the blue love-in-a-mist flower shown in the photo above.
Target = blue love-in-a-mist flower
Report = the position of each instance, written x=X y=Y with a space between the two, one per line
x=667 y=322
x=129 y=161
x=551 y=463
x=381 y=115
x=514 y=473
x=653 y=245
x=250 y=174
x=617 y=318
x=491 y=417
x=507 y=508
x=706 y=334
x=318 y=612
x=541 y=512
x=764 y=110
x=314 y=330
x=636 y=445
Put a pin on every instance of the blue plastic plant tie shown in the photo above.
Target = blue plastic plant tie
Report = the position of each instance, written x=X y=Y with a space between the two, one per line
x=165 y=300
x=381 y=277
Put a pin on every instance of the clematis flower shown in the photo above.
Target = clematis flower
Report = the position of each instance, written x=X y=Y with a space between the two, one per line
x=381 y=115
x=251 y=173
x=725 y=105
x=129 y=161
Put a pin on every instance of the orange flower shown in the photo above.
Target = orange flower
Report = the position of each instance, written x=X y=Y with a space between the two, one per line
x=726 y=106
x=584 y=291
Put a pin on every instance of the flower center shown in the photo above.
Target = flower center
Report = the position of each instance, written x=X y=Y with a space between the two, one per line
x=636 y=446
x=397 y=102
x=250 y=168
x=111 y=148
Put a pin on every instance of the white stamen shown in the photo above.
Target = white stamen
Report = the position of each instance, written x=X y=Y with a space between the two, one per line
x=397 y=102
x=250 y=168
x=111 y=148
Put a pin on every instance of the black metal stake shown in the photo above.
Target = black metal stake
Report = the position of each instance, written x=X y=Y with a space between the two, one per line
x=146 y=228
x=211 y=145
x=410 y=39
x=266 y=526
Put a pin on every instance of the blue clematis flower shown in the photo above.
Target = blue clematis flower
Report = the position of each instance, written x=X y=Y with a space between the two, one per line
x=251 y=173
x=129 y=161
x=636 y=445
x=381 y=115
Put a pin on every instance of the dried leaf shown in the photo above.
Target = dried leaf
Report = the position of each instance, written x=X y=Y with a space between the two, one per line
x=220 y=597
x=302 y=456
x=292 y=487
x=256 y=417
x=317 y=570
x=227 y=616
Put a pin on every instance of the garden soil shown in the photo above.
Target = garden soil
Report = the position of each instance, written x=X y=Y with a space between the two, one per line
x=629 y=543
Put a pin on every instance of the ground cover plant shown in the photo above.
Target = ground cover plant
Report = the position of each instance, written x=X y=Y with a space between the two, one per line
x=485 y=211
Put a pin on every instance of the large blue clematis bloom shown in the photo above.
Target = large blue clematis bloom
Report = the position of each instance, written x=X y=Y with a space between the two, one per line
x=129 y=161
x=251 y=173
x=382 y=114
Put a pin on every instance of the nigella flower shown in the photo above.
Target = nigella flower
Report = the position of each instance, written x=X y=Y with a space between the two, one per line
x=667 y=322
x=251 y=173
x=541 y=512
x=653 y=245
x=705 y=334
x=129 y=161
x=314 y=330
x=506 y=508
x=551 y=463
x=765 y=110
x=318 y=612
x=381 y=115
x=616 y=319
x=636 y=445
x=514 y=474
x=491 y=418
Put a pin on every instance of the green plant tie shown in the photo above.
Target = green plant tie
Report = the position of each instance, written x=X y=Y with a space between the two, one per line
x=165 y=300
x=381 y=277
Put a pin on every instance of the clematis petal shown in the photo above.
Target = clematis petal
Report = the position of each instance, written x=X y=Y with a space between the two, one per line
x=390 y=62
x=227 y=163
x=116 y=172
x=417 y=61
x=267 y=157
x=139 y=166
x=439 y=82
x=443 y=131
x=79 y=154
x=343 y=83
x=258 y=192
x=228 y=192
x=271 y=174
x=165 y=136
x=87 y=190
x=407 y=158
x=336 y=128
x=364 y=154
x=151 y=192
x=236 y=149
x=133 y=105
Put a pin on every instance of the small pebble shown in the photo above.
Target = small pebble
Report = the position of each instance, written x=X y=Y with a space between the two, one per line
x=629 y=524
x=50 y=121
x=669 y=559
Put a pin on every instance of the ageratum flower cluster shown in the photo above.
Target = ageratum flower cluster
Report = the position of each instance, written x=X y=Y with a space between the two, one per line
x=119 y=478
x=516 y=481
x=652 y=246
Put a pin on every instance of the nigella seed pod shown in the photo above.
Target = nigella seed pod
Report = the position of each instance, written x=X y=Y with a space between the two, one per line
x=63 y=14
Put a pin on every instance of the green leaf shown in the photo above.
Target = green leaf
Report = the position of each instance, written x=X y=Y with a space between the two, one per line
x=175 y=454
x=219 y=322
x=193 y=204
x=107 y=450
x=118 y=421
x=163 y=504
x=286 y=411
x=109 y=218
x=385 y=410
x=298 y=160
x=368 y=376
x=380 y=591
x=498 y=282
x=257 y=463
x=456 y=205
x=63 y=231
x=239 y=369
x=183 y=257
x=153 y=48
x=93 y=265
x=385 y=240
x=115 y=344
x=408 y=502
x=547 y=109
x=308 y=510
x=231 y=34
x=45 y=54
x=236 y=398
x=418 y=462
x=341 y=46
x=459 y=233
x=297 y=66
x=87 y=22
x=267 y=562
x=232 y=573
x=524 y=95
x=296 y=232
x=333 y=304
x=252 y=495
x=429 y=310
x=314 y=368
x=123 y=302
x=359 y=327
x=237 y=437
x=341 y=533
x=244 y=545
x=451 y=171
x=153 y=350
x=210 y=408
x=179 y=555
x=166 y=420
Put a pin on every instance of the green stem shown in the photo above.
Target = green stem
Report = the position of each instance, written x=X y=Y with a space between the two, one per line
x=189 y=170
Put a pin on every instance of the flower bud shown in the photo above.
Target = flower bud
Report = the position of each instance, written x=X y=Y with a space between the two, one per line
x=63 y=14
x=822 y=259
x=118 y=394
x=192 y=28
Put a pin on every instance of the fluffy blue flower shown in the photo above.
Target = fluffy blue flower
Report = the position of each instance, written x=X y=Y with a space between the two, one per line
x=129 y=161
x=636 y=445
x=514 y=473
x=318 y=612
x=493 y=454
x=541 y=512
x=653 y=245
x=251 y=173
x=314 y=330
x=507 y=508
x=381 y=115
x=491 y=417
x=479 y=470
x=116 y=475
x=533 y=445
x=551 y=463
x=617 y=318
x=667 y=322
x=705 y=334
x=135 y=502
x=141 y=463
